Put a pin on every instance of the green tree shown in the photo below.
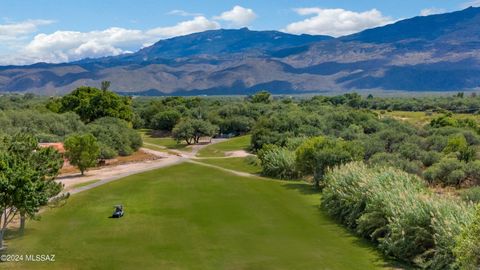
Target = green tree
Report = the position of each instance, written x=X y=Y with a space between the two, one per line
x=261 y=97
x=105 y=85
x=82 y=151
x=184 y=131
x=92 y=103
x=191 y=130
x=27 y=175
x=316 y=155
x=165 y=120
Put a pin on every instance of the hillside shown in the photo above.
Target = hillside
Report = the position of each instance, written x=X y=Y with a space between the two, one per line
x=437 y=52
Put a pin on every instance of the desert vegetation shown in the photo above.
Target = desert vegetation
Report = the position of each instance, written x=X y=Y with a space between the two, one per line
x=401 y=162
x=406 y=181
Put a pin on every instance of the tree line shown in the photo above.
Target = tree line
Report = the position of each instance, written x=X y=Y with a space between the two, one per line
x=307 y=138
x=92 y=123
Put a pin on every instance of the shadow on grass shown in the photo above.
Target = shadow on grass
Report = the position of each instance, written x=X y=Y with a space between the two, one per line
x=157 y=133
x=302 y=187
x=382 y=260
x=15 y=233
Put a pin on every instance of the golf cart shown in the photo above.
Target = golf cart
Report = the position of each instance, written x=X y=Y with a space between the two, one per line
x=118 y=212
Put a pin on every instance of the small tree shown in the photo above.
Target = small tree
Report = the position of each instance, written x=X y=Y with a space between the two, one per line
x=317 y=155
x=191 y=130
x=184 y=131
x=82 y=151
x=105 y=85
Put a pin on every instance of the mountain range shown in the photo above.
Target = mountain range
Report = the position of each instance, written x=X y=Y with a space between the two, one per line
x=428 y=53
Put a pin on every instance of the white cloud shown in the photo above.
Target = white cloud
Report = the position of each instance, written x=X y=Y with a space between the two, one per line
x=431 y=11
x=197 y=24
x=336 y=22
x=238 y=16
x=183 y=13
x=12 y=31
x=64 y=46
x=473 y=3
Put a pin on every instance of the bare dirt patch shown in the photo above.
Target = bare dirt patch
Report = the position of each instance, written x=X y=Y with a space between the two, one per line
x=138 y=156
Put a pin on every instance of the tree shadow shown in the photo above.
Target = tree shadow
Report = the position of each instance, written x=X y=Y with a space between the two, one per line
x=303 y=188
x=15 y=233
x=69 y=176
x=381 y=260
x=158 y=133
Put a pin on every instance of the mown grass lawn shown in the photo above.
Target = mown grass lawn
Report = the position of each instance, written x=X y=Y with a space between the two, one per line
x=193 y=217
x=162 y=142
x=238 y=164
x=219 y=149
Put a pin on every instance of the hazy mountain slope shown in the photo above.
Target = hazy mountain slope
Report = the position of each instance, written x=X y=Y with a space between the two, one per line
x=438 y=52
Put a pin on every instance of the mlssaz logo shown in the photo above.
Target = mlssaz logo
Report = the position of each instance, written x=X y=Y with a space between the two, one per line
x=40 y=258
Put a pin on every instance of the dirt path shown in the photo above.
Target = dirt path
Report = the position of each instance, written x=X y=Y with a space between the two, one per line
x=244 y=174
x=111 y=173
x=230 y=154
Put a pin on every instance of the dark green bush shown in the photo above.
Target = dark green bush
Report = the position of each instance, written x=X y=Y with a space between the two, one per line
x=116 y=134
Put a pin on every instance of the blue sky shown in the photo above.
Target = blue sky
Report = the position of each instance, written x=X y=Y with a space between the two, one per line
x=66 y=30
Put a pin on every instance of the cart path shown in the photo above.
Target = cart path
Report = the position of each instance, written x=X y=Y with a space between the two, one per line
x=111 y=173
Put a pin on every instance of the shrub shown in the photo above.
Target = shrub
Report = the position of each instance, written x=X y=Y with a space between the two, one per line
x=429 y=158
x=467 y=249
x=471 y=195
x=473 y=171
x=395 y=160
x=252 y=160
x=449 y=171
x=395 y=210
x=458 y=144
x=316 y=155
x=106 y=152
x=278 y=162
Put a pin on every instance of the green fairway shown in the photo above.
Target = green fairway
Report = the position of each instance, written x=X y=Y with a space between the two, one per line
x=238 y=164
x=193 y=217
x=157 y=143
x=219 y=149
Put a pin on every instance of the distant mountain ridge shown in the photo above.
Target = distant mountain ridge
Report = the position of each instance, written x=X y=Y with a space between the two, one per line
x=431 y=53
